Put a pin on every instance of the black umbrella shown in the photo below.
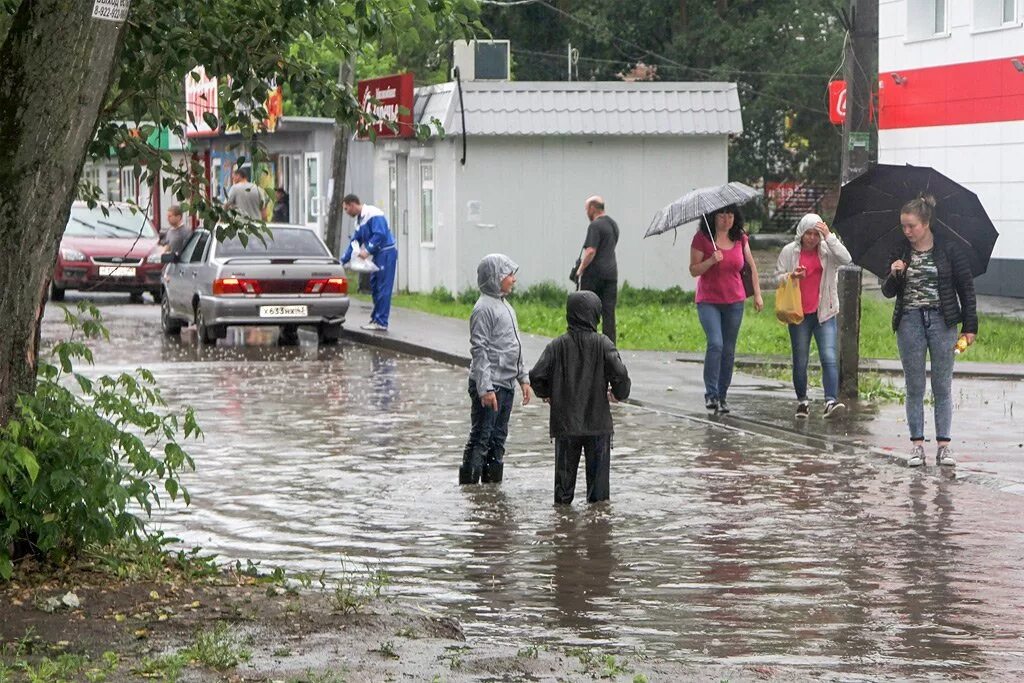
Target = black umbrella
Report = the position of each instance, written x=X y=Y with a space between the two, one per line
x=868 y=216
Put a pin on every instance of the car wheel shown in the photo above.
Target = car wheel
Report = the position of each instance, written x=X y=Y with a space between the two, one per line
x=170 y=325
x=208 y=334
x=329 y=332
x=56 y=293
x=158 y=296
x=135 y=298
x=289 y=336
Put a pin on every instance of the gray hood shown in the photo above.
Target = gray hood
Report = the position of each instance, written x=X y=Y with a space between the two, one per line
x=492 y=270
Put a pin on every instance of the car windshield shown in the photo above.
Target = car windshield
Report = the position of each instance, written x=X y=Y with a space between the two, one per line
x=119 y=222
x=284 y=242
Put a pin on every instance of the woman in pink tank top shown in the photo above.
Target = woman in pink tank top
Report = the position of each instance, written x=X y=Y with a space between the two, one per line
x=720 y=296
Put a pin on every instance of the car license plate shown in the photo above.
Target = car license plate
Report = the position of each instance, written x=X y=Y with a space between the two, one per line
x=282 y=311
x=117 y=271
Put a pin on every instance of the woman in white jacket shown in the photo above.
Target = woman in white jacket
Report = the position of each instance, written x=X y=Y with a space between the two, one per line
x=813 y=258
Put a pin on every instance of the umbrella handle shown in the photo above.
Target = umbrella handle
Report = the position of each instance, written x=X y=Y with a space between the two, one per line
x=711 y=234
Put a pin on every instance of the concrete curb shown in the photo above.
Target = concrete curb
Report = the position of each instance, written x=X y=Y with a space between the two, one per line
x=381 y=340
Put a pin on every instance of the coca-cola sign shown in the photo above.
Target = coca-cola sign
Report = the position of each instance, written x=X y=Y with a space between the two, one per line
x=837 y=102
x=390 y=101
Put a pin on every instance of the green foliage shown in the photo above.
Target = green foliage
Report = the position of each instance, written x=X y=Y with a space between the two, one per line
x=653 y=320
x=30 y=659
x=251 y=46
x=79 y=452
x=779 y=53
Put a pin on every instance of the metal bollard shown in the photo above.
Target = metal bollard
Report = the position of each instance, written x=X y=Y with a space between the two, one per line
x=850 y=278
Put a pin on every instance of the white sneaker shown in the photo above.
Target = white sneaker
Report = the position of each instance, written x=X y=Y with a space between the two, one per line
x=945 y=456
x=832 y=406
x=916 y=458
x=373 y=327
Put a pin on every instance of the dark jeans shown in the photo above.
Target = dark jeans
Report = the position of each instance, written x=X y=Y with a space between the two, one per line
x=721 y=323
x=598 y=453
x=485 y=449
x=608 y=292
x=800 y=342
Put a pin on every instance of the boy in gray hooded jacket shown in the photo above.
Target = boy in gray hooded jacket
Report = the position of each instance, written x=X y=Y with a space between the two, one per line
x=495 y=368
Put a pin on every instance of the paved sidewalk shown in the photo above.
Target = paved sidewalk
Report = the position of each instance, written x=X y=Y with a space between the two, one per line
x=988 y=419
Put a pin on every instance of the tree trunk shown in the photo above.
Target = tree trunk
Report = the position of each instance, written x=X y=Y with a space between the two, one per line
x=339 y=164
x=684 y=16
x=56 y=65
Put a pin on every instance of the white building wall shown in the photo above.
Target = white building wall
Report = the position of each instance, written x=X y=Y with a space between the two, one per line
x=985 y=157
x=961 y=42
x=530 y=194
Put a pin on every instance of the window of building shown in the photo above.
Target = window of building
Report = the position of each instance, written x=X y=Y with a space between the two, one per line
x=427 y=203
x=113 y=190
x=926 y=18
x=994 y=13
x=393 y=196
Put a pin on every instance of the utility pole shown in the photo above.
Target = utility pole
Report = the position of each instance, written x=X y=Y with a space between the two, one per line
x=339 y=163
x=860 y=151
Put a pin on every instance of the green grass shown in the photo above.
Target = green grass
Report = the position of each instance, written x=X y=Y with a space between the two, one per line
x=654 y=320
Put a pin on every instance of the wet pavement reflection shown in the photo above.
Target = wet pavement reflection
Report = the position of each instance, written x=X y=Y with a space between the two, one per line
x=717 y=546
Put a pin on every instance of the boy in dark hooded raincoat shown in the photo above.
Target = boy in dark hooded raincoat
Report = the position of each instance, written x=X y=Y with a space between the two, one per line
x=495 y=368
x=574 y=375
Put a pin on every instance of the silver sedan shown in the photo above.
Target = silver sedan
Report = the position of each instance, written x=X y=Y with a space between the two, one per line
x=290 y=280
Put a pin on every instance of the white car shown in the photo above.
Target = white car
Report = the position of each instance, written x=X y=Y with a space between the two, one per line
x=290 y=280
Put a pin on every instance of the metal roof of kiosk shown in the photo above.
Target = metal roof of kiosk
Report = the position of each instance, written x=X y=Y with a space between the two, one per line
x=526 y=108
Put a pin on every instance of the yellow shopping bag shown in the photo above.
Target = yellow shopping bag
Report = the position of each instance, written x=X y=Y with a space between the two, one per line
x=789 y=307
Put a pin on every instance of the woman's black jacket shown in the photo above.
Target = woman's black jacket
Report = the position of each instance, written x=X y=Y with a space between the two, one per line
x=956 y=286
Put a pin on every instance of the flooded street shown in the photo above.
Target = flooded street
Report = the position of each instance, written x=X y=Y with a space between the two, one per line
x=717 y=546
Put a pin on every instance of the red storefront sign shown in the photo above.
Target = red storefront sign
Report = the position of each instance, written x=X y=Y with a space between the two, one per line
x=989 y=91
x=390 y=99
x=837 y=102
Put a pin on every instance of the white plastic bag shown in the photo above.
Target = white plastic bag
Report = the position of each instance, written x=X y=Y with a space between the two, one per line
x=359 y=264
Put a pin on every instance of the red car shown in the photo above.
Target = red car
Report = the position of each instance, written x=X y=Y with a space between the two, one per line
x=113 y=252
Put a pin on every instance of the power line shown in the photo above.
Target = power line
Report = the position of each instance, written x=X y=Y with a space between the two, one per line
x=617 y=62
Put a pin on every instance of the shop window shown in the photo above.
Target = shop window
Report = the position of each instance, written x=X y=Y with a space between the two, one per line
x=994 y=13
x=926 y=18
x=393 y=196
x=113 y=189
x=427 y=203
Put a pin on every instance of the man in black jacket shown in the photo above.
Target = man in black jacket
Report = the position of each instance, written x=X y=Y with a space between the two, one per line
x=573 y=375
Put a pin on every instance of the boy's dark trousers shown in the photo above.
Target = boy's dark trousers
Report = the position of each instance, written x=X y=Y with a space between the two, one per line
x=482 y=458
x=598 y=453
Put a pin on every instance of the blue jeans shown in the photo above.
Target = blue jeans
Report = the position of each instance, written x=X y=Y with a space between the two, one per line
x=800 y=342
x=923 y=330
x=381 y=283
x=721 y=323
x=485 y=449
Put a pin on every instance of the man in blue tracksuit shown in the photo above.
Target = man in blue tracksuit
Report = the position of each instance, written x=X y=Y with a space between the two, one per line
x=375 y=239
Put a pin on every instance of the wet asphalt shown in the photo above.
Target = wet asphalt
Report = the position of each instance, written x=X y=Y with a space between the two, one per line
x=719 y=545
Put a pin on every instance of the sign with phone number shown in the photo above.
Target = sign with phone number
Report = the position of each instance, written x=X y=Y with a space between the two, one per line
x=111 y=10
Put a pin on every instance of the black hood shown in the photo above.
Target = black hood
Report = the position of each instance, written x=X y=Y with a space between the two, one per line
x=582 y=311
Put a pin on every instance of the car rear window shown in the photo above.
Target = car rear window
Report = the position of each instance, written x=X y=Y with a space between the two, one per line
x=118 y=222
x=284 y=242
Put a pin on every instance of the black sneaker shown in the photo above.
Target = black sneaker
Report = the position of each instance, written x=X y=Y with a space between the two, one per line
x=711 y=404
x=723 y=407
x=832 y=406
x=803 y=409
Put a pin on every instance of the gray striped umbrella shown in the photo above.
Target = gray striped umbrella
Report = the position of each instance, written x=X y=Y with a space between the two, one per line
x=696 y=203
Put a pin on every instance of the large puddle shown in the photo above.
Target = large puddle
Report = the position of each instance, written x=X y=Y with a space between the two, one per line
x=717 y=545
